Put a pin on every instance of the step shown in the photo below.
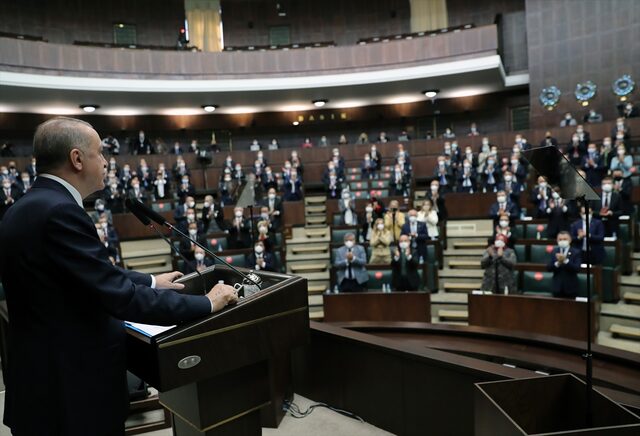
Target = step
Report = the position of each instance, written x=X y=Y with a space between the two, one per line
x=315 y=256
x=308 y=248
x=457 y=264
x=461 y=287
x=453 y=315
x=298 y=268
x=313 y=277
x=463 y=252
x=618 y=330
x=607 y=339
x=320 y=219
x=316 y=233
x=631 y=297
x=146 y=262
x=316 y=209
x=316 y=315
x=315 y=200
x=317 y=288
x=459 y=273
x=315 y=300
x=469 y=244
x=449 y=298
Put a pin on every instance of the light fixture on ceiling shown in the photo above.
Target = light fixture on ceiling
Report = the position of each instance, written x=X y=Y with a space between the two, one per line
x=295 y=123
x=89 y=107
x=431 y=93
x=209 y=107
x=320 y=103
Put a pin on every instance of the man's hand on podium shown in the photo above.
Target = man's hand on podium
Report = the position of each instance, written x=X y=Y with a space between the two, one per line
x=222 y=295
x=165 y=281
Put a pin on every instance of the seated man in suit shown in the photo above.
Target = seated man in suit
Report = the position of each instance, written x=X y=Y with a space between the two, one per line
x=187 y=246
x=502 y=206
x=275 y=210
x=596 y=236
x=292 y=187
x=565 y=262
x=417 y=232
x=350 y=261
x=609 y=207
x=347 y=206
x=212 y=217
x=404 y=265
x=260 y=259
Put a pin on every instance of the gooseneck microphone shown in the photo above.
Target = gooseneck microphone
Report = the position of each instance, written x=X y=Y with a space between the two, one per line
x=147 y=222
x=140 y=209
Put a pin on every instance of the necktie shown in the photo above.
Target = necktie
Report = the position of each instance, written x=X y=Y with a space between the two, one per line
x=606 y=200
x=403 y=264
x=7 y=193
x=349 y=270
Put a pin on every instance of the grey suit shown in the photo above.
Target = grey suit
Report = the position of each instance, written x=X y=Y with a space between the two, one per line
x=357 y=264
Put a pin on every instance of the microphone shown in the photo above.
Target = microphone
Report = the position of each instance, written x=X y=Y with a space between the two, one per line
x=251 y=279
x=147 y=222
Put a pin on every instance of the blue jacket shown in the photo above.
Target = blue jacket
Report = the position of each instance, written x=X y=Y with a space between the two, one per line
x=66 y=304
x=596 y=237
x=565 y=275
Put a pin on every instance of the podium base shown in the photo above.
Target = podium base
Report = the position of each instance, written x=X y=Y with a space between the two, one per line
x=554 y=405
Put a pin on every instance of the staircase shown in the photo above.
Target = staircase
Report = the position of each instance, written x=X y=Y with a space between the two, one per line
x=308 y=253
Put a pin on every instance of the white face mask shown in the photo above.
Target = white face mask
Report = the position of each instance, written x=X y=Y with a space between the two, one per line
x=563 y=244
x=199 y=257
x=542 y=185
x=412 y=219
x=404 y=245
x=193 y=232
x=555 y=195
x=607 y=187
x=191 y=204
x=504 y=223
x=262 y=229
x=434 y=188
x=369 y=209
x=502 y=199
x=508 y=178
x=272 y=196
x=191 y=217
x=99 y=207
x=349 y=244
x=491 y=161
x=206 y=204
x=264 y=216
x=104 y=225
x=499 y=243
x=238 y=214
x=259 y=249
x=380 y=227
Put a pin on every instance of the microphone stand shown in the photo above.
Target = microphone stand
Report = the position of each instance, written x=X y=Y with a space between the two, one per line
x=175 y=250
x=588 y=356
x=251 y=229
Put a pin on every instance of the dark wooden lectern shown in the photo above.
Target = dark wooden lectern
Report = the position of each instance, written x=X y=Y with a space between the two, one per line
x=217 y=375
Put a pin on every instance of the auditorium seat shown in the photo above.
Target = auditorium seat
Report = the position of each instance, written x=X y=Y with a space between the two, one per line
x=518 y=231
x=217 y=243
x=358 y=186
x=521 y=253
x=162 y=206
x=536 y=230
x=536 y=283
x=337 y=234
x=377 y=277
x=610 y=274
x=540 y=253
x=236 y=259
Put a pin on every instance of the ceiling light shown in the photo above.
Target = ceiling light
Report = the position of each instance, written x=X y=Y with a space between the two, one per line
x=295 y=123
x=431 y=93
x=319 y=103
x=209 y=107
x=89 y=107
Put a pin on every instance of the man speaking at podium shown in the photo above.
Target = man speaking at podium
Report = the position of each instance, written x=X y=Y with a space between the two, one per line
x=66 y=301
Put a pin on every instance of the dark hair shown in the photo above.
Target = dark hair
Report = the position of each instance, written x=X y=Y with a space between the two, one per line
x=55 y=138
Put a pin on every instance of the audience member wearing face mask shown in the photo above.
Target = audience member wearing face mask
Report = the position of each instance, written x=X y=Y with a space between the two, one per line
x=498 y=262
x=260 y=259
x=404 y=266
x=350 y=261
x=564 y=262
x=596 y=237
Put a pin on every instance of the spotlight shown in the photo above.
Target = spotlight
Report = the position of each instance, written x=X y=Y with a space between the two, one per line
x=431 y=93
x=209 y=107
x=89 y=107
x=295 y=123
x=319 y=103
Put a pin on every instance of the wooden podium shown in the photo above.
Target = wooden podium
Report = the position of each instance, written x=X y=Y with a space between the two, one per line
x=561 y=317
x=219 y=374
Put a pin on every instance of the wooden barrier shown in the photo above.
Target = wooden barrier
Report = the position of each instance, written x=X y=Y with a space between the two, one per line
x=560 y=317
x=377 y=306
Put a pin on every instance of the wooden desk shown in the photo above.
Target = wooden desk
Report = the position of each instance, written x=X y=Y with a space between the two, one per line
x=377 y=306
x=539 y=315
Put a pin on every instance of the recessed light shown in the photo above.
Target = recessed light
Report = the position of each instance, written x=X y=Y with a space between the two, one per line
x=209 y=107
x=320 y=103
x=295 y=123
x=431 y=93
x=89 y=107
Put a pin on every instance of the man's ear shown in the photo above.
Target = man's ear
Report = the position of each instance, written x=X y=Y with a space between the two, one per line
x=75 y=156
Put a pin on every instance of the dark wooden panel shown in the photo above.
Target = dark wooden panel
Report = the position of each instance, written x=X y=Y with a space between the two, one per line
x=540 y=315
x=377 y=306
x=129 y=227
x=476 y=205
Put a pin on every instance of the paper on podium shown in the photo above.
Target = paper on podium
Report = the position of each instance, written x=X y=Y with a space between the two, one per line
x=148 y=329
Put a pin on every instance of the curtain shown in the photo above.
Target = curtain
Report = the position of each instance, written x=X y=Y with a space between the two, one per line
x=428 y=15
x=205 y=30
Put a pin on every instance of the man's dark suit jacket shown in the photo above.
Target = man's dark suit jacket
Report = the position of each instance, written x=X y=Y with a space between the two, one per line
x=421 y=238
x=596 y=237
x=410 y=281
x=66 y=302
x=565 y=276
x=276 y=220
x=269 y=261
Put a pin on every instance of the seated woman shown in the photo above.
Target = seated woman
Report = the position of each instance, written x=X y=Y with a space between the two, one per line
x=381 y=239
x=498 y=262
x=429 y=216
